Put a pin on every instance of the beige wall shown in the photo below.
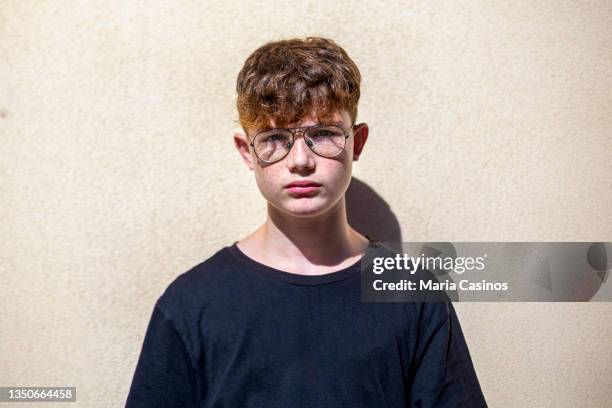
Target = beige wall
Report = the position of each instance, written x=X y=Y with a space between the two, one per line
x=489 y=121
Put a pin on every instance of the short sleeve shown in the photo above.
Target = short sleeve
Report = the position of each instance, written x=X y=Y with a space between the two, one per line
x=443 y=374
x=164 y=375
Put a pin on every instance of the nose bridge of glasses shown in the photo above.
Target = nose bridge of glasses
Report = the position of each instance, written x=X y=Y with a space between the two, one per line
x=294 y=133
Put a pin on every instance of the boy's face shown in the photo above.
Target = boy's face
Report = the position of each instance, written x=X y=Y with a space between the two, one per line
x=332 y=175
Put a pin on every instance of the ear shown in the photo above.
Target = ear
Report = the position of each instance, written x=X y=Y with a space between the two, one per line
x=360 y=133
x=242 y=144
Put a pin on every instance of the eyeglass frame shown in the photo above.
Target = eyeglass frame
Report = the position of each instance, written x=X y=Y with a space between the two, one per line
x=293 y=131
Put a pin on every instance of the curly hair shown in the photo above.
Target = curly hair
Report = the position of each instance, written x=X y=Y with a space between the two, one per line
x=290 y=79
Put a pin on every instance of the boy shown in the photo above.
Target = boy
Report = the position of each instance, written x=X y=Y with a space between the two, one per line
x=275 y=319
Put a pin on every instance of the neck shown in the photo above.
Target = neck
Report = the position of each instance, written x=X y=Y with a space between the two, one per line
x=326 y=239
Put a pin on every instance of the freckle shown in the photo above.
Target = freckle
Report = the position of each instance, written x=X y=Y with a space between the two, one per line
x=3 y=114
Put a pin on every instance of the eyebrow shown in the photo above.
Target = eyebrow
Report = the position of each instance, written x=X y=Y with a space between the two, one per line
x=330 y=122
x=335 y=122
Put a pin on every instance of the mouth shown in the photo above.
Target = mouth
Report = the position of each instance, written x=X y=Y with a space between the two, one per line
x=303 y=190
x=303 y=187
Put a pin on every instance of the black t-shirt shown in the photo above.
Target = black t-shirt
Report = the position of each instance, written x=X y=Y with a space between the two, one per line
x=232 y=332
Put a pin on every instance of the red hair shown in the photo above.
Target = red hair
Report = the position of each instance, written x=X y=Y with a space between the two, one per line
x=290 y=79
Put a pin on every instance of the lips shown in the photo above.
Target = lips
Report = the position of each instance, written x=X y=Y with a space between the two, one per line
x=303 y=183
x=303 y=187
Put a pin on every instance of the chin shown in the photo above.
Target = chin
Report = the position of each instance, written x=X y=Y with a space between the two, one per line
x=305 y=208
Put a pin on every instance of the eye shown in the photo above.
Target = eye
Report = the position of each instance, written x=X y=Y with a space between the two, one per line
x=325 y=132
x=275 y=137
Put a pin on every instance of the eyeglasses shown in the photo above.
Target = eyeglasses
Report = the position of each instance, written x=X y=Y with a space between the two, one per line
x=273 y=145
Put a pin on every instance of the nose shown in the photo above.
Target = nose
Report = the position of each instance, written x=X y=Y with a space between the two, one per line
x=300 y=155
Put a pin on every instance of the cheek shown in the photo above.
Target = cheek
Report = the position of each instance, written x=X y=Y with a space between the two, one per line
x=338 y=174
x=266 y=183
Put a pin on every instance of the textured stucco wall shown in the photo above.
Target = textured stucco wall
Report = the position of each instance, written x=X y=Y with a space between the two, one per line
x=489 y=121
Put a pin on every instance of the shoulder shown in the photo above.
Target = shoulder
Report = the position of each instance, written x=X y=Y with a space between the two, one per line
x=417 y=315
x=194 y=287
x=185 y=300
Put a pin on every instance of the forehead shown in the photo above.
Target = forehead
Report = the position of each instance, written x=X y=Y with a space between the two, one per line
x=341 y=118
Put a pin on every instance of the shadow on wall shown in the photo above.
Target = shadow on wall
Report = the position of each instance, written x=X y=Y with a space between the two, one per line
x=369 y=214
x=579 y=274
